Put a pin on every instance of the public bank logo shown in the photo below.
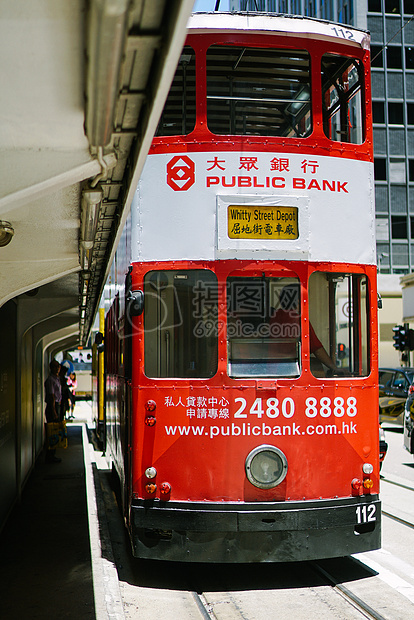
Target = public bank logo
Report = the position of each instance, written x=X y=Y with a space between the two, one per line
x=180 y=173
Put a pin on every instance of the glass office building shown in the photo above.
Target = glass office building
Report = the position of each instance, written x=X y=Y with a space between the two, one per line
x=333 y=10
x=391 y=25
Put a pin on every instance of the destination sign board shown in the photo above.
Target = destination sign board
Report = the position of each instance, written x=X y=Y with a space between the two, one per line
x=257 y=222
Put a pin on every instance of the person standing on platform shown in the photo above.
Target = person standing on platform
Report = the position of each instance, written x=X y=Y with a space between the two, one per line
x=72 y=384
x=53 y=399
x=64 y=403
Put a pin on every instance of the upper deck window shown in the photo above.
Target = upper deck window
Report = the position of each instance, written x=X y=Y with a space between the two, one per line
x=342 y=92
x=261 y=92
x=179 y=114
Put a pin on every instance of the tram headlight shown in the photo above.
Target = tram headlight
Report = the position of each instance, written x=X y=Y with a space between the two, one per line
x=6 y=233
x=367 y=468
x=266 y=467
x=150 y=472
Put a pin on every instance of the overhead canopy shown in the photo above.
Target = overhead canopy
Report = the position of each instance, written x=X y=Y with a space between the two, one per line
x=82 y=89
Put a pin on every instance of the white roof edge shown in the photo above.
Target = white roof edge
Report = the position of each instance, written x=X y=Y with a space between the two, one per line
x=269 y=24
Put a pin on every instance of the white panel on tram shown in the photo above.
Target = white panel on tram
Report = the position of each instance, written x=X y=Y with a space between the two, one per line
x=183 y=207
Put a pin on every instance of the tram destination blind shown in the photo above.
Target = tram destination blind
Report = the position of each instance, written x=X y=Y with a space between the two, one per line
x=253 y=222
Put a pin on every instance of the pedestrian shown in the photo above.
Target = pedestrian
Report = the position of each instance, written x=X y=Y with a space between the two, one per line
x=72 y=384
x=64 y=407
x=53 y=398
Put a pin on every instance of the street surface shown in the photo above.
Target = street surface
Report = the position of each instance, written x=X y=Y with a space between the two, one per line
x=397 y=496
x=382 y=581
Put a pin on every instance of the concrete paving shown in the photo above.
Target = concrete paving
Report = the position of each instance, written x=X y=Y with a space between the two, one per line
x=51 y=560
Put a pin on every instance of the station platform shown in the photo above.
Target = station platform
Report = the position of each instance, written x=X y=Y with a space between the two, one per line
x=54 y=560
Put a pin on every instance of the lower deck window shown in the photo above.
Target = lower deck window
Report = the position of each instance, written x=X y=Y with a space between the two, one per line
x=180 y=323
x=263 y=327
x=339 y=311
x=266 y=335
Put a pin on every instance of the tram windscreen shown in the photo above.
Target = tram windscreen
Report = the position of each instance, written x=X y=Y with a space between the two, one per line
x=343 y=97
x=261 y=92
x=180 y=323
x=338 y=311
x=263 y=327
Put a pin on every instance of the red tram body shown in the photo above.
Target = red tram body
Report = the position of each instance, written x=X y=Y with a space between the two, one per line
x=241 y=400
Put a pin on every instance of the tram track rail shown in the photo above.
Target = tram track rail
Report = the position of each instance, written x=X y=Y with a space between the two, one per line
x=397 y=484
x=207 y=611
x=385 y=513
x=357 y=603
x=391 y=515
x=366 y=610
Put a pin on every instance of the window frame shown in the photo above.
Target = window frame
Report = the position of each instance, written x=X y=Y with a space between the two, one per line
x=358 y=337
x=168 y=343
x=275 y=348
x=293 y=108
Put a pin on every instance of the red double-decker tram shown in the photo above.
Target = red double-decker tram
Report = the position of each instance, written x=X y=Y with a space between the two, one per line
x=241 y=330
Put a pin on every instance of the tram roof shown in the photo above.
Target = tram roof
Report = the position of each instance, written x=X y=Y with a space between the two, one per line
x=263 y=23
